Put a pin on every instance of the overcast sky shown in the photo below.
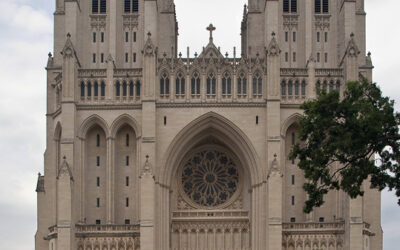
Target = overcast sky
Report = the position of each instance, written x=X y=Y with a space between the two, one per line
x=26 y=28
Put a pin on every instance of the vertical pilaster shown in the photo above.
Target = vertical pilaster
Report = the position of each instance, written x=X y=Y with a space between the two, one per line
x=113 y=28
x=110 y=78
x=148 y=148
x=275 y=181
x=309 y=27
x=110 y=181
x=310 y=89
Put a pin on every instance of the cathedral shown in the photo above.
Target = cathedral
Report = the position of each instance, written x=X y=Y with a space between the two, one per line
x=150 y=148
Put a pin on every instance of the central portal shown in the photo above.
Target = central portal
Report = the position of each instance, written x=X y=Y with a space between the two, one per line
x=210 y=201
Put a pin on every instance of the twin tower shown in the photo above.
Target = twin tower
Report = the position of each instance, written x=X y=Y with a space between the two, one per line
x=154 y=150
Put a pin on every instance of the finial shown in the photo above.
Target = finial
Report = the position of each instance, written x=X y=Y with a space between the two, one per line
x=273 y=33
x=352 y=35
x=275 y=155
x=64 y=158
x=180 y=54
x=211 y=28
x=165 y=54
x=226 y=54
x=257 y=54
x=149 y=34
x=39 y=174
x=50 y=55
x=147 y=157
x=369 y=53
x=68 y=35
x=195 y=54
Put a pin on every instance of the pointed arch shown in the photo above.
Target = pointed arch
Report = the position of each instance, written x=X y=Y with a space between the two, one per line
x=122 y=120
x=90 y=122
x=294 y=118
x=227 y=130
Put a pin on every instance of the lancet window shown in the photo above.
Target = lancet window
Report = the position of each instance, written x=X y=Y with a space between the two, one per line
x=257 y=84
x=290 y=88
x=283 y=88
x=89 y=89
x=290 y=6
x=226 y=84
x=164 y=84
x=296 y=88
x=96 y=89
x=195 y=84
x=303 y=88
x=321 y=6
x=82 y=86
x=242 y=84
x=138 y=89
x=131 y=88
x=117 y=89
x=180 y=84
x=124 y=89
x=211 y=84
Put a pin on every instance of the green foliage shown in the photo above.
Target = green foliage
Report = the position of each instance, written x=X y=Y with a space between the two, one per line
x=340 y=139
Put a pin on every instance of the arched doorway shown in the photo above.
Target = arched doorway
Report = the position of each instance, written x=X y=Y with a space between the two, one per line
x=210 y=188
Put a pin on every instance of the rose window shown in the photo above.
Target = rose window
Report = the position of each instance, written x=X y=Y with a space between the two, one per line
x=210 y=178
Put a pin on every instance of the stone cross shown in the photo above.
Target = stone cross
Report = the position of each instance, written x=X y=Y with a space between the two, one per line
x=211 y=28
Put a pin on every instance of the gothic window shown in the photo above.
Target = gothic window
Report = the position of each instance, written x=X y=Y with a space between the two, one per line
x=303 y=88
x=283 y=88
x=138 y=89
x=338 y=86
x=209 y=178
x=127 y=160
x=127 y=222
x=98 y=181
x=127 y=6
x=94 y=37
x=97 y=161
x=195 y=84
x=318 y=85
x=96 y=89
x=82 y=86
x=242 y=84
x=127 y=202
x=289 y=6
x=290 y=88
x=127 y=140
x=325 y=86
x=321 y=6
x=124 y=88
x=164 y=84
x=89 y=89
x=180 y=84
x=127 y=181
x=96 y=4
x=257 y=84
x=131 y=89
x=226 y=84
x=102 y=89
x=135 y=6
x=98 y=202
x=296 y=88
x=293 y=138
x=117 y=89
x=98 y=140
x=211 y=84
x=331 y=86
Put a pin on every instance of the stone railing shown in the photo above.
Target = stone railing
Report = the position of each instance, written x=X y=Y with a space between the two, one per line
x=313 y=236
x=329 y=72
x=107 y=237
x=294 y=72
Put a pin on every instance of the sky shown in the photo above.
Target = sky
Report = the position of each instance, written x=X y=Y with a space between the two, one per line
x=26 y=33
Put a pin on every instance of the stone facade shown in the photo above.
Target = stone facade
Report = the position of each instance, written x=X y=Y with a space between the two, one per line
x=151 y=149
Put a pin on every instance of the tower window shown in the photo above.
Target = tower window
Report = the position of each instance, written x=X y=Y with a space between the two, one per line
x=257 y=119
x=98 y=222
x=127 y=222
x=98 y=161
x=98 y=140
x=131 y=88
x=292 y=200
x=326 y=57
x=325 y=6
x=89 y=89
x=293 y=138
x=317 y=6
x=321 y=219
x=82 y=89
x=211 y=84
x=102 y=37
x=127 y=160
x=180 y=84
x=95 y=6
x=117 y=89
x=286 y=56
x=164 y=84
x=283 y=88
x=290 y=88
x=127 y=181
x=318 y=37
x=135 y=7
x=165 y=120
x=134 y=36
x=98 y=181
x=124 y=89
x=289 y=6
x=326 y=37
x=294 y=56
x=138 y=88
x=127 y=202
x=286 y=36
x=318 y=57
x=293 y=220
x=127 y=6
x=126 y=37
x=242 y=84
x=102 y=57
x=303 y=88
x=94 y=58
x=294 y=36
x=134 y=57
x=226 y=84
x=94 y=37
x=127 y=140
x=103 y=6
x=126 y=57
x=292 y=179
x=98 y=202
x=296 y=88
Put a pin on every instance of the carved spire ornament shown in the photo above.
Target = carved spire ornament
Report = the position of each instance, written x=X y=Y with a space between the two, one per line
x=273 y=47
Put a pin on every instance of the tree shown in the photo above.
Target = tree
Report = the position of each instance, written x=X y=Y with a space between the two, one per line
x=345 y=141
